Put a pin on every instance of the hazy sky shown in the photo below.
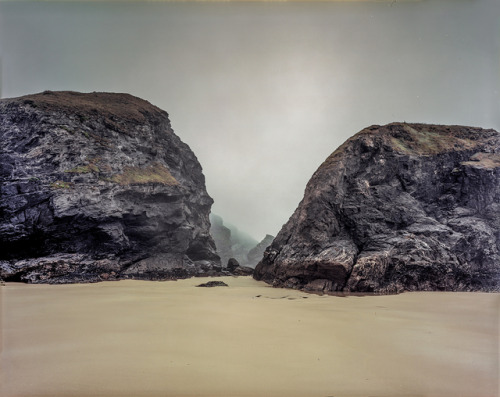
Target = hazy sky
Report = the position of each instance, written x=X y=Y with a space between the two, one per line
x=264 y=92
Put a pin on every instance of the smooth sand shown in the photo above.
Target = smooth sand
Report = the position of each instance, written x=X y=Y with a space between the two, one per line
x=139 y=338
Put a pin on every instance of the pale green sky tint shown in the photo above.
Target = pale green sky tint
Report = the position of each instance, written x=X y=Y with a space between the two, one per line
x=264 y=92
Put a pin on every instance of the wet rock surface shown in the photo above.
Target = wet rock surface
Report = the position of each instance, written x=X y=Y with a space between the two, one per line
x=211 y=284
x=98 y=187
x=401 y=207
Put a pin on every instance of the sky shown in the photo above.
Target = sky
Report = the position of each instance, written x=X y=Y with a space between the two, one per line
x=263 y=92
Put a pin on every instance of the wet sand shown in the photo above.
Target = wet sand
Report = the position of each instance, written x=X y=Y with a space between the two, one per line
x=138 y=338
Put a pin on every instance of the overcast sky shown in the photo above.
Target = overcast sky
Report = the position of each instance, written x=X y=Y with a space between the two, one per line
x=264 y=92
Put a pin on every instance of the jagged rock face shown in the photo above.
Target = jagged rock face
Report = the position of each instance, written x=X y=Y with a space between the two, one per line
x=256 y=253
x=98 y=186
x=398 y=207
x=222 y=237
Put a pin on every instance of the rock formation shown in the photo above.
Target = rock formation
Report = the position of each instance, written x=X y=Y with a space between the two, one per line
x=212 y=284
x=256 y=253
x=232 y=264
x=222 y=238
x=234 y=267
x=97 y=186
x=231 y=242
x=401 y=207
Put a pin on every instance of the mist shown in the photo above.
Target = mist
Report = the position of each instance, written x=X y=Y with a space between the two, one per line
x=264 y=92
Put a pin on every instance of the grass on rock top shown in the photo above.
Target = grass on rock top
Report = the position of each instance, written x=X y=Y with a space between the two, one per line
x=426 y=142
x=417 y=139
x=112 y=106
x=155 y=173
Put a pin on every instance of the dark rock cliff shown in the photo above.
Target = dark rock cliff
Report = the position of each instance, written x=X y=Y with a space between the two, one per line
x=256 y=253
x=401 y=207
x=97 y=186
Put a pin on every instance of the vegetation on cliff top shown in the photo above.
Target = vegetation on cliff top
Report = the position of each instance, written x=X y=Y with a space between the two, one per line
x=426 y=140
x=111 y=106
x=420 y=140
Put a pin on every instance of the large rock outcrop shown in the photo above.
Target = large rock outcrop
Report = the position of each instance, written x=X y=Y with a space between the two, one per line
x=401 y=207
x=97 y=186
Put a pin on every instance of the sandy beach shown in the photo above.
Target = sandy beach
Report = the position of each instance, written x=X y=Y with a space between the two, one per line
x=139 y=338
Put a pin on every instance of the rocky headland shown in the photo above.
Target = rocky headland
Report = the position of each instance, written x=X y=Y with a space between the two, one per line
x=232 y=243
x=99 y=187
x=401 y=207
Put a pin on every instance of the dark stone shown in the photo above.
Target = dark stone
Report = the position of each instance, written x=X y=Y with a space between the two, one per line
x=98 y=187
x=235 y=269
x=401 y=207
x=232 y=264
x=242 y=271
x=213 y=284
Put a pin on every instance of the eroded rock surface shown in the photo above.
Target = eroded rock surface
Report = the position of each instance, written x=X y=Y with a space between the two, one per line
x=212 y=284
x=97 y=187
x=401 y=207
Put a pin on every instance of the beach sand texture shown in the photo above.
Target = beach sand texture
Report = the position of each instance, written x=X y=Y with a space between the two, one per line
x=140 y=338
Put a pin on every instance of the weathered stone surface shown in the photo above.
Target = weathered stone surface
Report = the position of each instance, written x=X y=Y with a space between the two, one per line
x=242 y=271
x=211 y=284
x=401 y=207
x=97 y=187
